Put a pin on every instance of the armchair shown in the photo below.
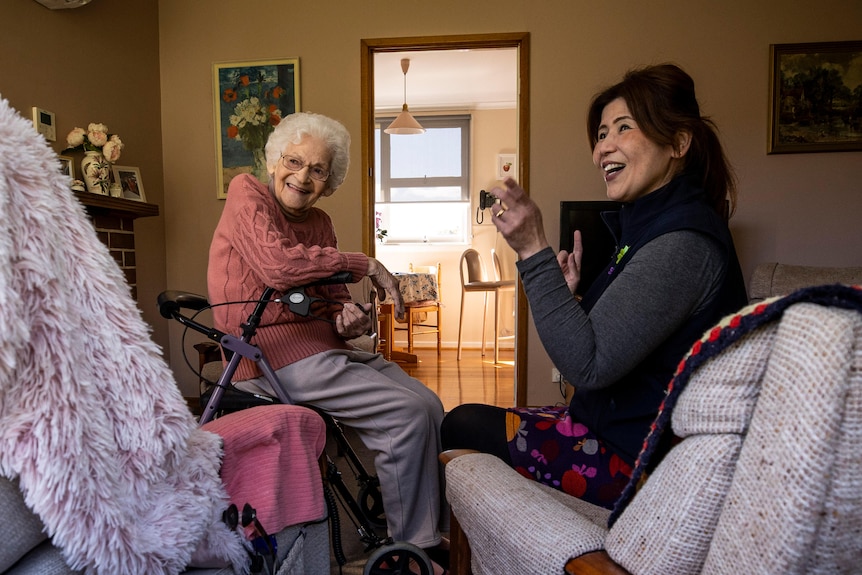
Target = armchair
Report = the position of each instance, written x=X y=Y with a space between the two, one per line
x=765 y=478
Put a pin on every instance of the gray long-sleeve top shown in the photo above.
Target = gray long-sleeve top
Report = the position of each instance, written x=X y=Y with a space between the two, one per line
x=662 y=286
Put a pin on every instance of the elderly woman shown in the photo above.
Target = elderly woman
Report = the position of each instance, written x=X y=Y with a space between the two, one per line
x=273 y=235
x=674 y=275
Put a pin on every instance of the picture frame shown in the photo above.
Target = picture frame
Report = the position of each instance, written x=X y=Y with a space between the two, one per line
x=250 y=98
x=507 y=166
x=129 y=178
x=812 y=102
x=67 y=168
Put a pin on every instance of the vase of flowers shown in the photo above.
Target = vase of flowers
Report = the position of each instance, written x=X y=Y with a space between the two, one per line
x=96 y=172
x=257 y=112
x=100 y=151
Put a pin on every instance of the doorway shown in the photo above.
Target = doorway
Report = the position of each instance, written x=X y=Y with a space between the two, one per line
x=371 y=47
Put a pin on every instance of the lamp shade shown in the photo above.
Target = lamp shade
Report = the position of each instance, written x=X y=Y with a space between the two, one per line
x=405 y=124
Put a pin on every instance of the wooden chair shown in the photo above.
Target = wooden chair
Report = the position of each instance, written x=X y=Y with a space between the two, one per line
x=475 y=280
x=418 y=321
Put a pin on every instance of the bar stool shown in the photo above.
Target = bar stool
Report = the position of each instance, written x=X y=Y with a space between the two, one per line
x=475 y=280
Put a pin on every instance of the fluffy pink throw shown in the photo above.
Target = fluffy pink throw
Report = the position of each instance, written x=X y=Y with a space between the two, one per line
x=91 y=419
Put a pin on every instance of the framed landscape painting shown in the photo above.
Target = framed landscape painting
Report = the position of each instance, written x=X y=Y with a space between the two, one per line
x=250 y=100
x=815 y=97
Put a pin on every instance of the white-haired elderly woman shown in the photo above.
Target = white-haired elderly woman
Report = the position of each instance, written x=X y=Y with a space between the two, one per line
x=273 y=235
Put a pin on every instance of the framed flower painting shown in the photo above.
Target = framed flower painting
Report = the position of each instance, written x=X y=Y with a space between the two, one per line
x=250 y=98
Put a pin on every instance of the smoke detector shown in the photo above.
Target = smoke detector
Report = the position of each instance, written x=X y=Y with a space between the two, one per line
x=61 y=4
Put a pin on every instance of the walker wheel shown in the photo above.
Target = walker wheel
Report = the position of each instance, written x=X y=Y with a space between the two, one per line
x=398 y=559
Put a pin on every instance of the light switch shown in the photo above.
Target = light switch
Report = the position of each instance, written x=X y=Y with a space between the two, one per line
x=43 y=120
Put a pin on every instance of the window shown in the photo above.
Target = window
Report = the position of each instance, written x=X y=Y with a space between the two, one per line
x=422 y=188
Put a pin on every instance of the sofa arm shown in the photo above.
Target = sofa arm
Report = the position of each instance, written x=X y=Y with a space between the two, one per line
x=516 y=525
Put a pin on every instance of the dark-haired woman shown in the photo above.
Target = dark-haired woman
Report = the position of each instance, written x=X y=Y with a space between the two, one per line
x=675 y=274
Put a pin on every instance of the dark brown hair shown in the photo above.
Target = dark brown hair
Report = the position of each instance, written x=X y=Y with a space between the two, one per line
x=662 y=101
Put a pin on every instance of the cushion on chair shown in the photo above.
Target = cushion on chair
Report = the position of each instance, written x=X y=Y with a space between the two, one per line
x=21 y=530
x=270 y=462
x=45 y=559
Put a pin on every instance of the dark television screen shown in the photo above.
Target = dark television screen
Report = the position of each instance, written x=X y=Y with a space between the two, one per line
x=599 y=245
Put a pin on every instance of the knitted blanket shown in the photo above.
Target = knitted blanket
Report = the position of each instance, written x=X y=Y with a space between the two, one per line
x=91 y=420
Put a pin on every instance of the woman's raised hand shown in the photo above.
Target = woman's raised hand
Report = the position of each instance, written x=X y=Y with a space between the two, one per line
x=570 y=263
x=519 y=219
x=385 y=281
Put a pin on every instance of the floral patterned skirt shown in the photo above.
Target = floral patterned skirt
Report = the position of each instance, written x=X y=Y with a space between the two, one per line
x=547 y=446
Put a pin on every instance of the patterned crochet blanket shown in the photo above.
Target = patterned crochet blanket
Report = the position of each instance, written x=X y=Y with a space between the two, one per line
x=730 y=330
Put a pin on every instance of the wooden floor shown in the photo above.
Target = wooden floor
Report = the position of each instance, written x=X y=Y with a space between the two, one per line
x=473 y=379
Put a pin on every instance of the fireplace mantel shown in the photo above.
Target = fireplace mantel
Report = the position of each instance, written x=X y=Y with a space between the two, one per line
x=119 y=206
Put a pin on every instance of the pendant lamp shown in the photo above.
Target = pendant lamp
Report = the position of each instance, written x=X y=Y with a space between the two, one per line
x=405 y=123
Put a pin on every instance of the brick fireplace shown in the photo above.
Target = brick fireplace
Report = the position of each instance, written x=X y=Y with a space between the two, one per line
x=114 y=220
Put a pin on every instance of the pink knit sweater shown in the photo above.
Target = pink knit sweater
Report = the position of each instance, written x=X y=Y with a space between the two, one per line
x=255 y=246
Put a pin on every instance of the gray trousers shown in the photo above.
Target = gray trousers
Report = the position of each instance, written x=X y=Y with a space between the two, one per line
x=395 y=415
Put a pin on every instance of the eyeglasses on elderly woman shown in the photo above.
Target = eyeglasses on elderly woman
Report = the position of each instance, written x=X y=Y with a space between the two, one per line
x=296 y=165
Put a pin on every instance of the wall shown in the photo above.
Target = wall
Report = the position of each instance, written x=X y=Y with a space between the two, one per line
x=97 y=63
x=800 y=208
x=155 y=63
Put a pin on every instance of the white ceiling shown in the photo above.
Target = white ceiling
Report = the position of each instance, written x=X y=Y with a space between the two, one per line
x=447 y=79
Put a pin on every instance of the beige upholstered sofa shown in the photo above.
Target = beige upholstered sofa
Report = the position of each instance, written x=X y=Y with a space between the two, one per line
x=767 y=477
x=772 y=279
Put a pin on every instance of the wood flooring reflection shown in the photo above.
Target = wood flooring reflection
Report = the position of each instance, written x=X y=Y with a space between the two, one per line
x=474 y=379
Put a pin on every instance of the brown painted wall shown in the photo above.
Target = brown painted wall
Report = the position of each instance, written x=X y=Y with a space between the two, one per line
x=97 y=63
x=793 y=208
x=156 y=70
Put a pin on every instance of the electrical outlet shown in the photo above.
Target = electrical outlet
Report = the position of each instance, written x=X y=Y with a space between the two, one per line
x=555 y=375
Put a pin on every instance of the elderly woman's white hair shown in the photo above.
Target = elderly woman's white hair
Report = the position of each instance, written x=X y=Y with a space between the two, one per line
x=294 y=127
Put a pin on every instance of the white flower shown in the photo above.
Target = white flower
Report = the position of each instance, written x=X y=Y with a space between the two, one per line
x=95 y=139
x=76 y=137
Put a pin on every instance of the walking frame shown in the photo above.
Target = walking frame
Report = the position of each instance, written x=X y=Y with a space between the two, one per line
x=366 y=509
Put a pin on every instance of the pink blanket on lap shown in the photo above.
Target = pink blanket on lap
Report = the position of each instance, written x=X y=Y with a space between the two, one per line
x=271 y=462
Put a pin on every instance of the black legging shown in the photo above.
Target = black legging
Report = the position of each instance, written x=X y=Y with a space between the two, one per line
x=476 y=426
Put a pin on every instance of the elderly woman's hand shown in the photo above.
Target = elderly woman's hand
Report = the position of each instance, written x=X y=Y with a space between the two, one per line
x=519 y=220
x=386 y=282
x=353 y=320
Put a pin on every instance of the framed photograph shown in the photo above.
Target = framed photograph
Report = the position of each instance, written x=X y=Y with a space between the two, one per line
x=130 y=181
x=250 y=99
x=66 y=166
x=815 y=97
x=507 y=166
